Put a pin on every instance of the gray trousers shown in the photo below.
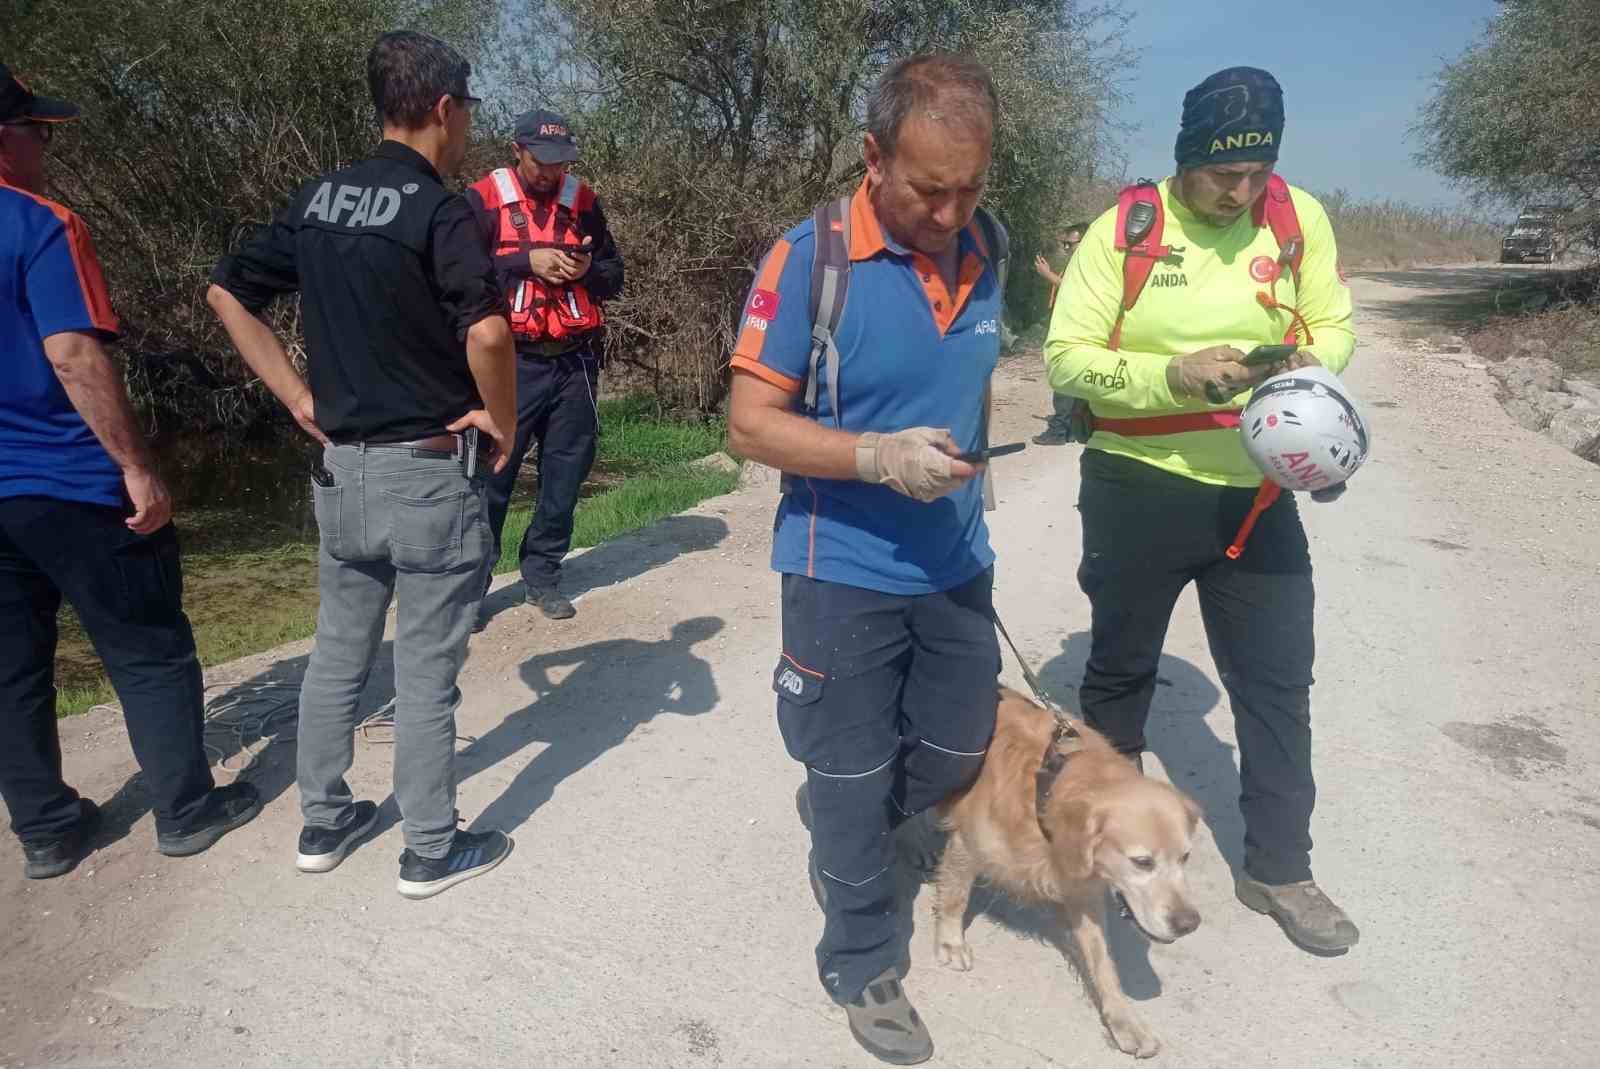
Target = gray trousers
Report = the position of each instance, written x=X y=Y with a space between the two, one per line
x=416 y=529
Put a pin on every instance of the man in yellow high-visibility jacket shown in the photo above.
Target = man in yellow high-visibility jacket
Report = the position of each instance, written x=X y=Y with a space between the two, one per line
x=1166 y=483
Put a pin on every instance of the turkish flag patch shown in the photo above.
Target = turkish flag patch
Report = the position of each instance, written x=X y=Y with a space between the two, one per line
x=1263 y=269
x=764 y=304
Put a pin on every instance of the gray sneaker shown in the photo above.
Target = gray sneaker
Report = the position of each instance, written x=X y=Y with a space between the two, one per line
x=1307 y=916
x=884 y=1022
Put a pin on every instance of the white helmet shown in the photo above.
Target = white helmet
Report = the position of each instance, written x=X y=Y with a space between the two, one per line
x=1303 y=430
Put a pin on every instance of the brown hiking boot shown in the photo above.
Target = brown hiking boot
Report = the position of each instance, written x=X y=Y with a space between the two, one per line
x=1307 y=916
x=884 y=1022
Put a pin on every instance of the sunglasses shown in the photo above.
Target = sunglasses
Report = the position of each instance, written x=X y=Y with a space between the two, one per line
x=469 y=102
x=45 y=130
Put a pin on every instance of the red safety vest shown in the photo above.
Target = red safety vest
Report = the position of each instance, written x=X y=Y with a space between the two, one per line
x=540 y=311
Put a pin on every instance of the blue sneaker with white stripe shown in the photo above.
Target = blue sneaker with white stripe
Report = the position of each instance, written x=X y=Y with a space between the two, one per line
x=471 y=854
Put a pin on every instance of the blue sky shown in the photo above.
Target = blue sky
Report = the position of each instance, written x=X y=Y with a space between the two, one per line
x=1354 y=73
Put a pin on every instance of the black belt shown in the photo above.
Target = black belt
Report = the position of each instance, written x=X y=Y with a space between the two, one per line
x=439 y=447
x=551 y=350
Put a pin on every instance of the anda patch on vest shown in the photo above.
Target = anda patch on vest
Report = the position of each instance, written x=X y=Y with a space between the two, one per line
x=539 y=310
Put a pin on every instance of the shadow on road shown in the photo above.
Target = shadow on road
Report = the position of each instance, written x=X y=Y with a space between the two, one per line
x=624 y=558
x=612 y=688
x=1467 y=295
x=231 y=733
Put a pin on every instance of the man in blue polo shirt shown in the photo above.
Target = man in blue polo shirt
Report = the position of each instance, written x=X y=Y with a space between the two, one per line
x=83 y=514
x=887 y=681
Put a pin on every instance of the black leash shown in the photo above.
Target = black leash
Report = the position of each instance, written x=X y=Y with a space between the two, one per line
x=1027 y=673
x=1064 y=740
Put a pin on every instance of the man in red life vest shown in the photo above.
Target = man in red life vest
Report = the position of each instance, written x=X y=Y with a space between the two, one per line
x=556 y=261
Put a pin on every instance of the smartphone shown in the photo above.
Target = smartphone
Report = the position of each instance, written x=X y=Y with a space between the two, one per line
x=993 y=451
x=1270 y=354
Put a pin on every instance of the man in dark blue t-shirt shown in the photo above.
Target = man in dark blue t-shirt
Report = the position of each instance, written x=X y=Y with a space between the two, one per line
x=84 y=515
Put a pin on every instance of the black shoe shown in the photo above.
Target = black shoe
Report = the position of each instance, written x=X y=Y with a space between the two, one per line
x=552 y=602
x=471 y=854
x=1051 y=437
x=480 y=619
x=226 y=808
x=321 y=849
x=57 y=857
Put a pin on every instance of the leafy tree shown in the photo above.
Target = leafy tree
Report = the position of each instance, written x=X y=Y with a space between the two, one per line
x=710 y=126
x=199 y=118
x=1515 y=118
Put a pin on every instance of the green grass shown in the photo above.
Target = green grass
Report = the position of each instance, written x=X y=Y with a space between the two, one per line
x=636 y=503
x=240 y=601
x=651 y=455
x=634 y=438
x=250 y=583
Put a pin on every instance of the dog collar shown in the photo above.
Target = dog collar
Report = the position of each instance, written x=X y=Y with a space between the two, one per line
x=1064 y=742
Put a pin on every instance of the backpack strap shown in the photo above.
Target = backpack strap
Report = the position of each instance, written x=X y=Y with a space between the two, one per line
x=1140 y=222
x=830 y=283
x=1141 y=219
x=1275 y=208
x=997 y=245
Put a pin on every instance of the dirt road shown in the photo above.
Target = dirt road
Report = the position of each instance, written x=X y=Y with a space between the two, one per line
x=655 y=912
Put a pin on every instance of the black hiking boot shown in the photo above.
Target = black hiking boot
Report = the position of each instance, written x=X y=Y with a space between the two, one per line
x=49 y=858
x=552 y=602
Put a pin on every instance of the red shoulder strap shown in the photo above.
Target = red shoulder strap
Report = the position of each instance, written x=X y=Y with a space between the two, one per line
x=1276 y=209
x=1141 y=245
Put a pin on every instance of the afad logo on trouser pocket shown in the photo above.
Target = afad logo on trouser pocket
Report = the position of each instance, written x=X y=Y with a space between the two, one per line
x=794 y=683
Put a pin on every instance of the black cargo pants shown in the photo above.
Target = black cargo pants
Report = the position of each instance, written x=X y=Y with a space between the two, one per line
x=889 y=701
x=556 y=398
x=1146 y=535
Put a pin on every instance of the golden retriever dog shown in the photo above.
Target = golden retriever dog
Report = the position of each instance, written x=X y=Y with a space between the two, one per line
x=1108 y=827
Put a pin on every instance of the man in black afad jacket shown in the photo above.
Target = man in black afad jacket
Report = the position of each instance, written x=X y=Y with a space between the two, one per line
x=556 y=263
x=410 y=361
